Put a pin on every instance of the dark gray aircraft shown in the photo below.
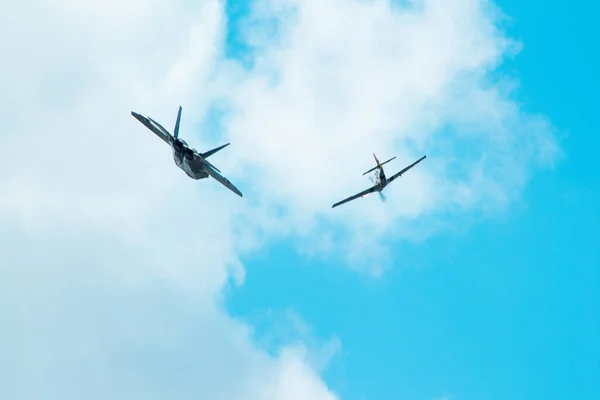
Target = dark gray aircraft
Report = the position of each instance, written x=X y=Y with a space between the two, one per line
x=379 y=180
x=193 y=163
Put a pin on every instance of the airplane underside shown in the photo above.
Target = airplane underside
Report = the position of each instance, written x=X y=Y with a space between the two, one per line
x=193 y=171
x=379 y=181
x=197 y=175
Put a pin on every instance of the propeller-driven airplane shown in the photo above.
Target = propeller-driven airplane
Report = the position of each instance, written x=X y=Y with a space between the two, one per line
x=192 y=162
x=379 y=180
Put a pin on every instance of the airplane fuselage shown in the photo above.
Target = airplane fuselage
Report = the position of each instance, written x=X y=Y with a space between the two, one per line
x=184 y=159
x=379 y=179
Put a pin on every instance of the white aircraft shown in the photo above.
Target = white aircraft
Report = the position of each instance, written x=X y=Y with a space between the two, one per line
x=379 y=180
x=193 y=163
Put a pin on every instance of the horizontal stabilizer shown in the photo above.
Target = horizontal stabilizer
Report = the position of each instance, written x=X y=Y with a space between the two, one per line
x=374 y=168
x=213 y=151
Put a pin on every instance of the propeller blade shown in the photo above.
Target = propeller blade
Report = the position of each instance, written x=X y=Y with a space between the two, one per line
x=382 y=197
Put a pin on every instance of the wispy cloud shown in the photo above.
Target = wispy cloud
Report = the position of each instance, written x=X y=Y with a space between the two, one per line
x=342 y=79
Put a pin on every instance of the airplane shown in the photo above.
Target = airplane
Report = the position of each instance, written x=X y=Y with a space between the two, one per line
x=192 y=162
x=379 y=180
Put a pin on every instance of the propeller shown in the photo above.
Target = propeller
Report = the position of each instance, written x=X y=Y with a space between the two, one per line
x=381 y=195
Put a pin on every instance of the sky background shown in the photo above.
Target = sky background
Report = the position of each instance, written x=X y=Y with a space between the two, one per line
x=477 y=279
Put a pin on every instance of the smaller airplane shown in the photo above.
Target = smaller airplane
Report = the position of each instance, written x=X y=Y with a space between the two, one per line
x=192 y=162
x=379 y=180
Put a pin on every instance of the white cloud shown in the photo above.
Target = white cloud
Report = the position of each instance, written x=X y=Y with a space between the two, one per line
x=346 y=78
x=114 y=260
x=80 y=331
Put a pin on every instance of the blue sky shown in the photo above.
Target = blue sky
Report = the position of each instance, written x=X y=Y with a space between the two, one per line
x=508 y=308
x=122 y=278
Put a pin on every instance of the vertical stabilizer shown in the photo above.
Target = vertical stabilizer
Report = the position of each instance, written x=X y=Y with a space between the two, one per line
x=377 y=161
x=379 y=164
x=176 y=132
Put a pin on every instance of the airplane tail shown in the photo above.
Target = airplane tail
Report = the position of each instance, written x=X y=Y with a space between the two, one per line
x=176 y=131
x=213 y=151
x=376 y=160
x=204 y=155
x=379 y=165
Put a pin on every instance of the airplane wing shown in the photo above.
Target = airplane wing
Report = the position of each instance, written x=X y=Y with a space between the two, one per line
x=398 y=174
x=161 y=132
x=222 y=180
x=154 y=127
x=356 y=196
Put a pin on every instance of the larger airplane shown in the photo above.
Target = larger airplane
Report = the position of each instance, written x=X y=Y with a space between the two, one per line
x=192 y=162
x=379 y=179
